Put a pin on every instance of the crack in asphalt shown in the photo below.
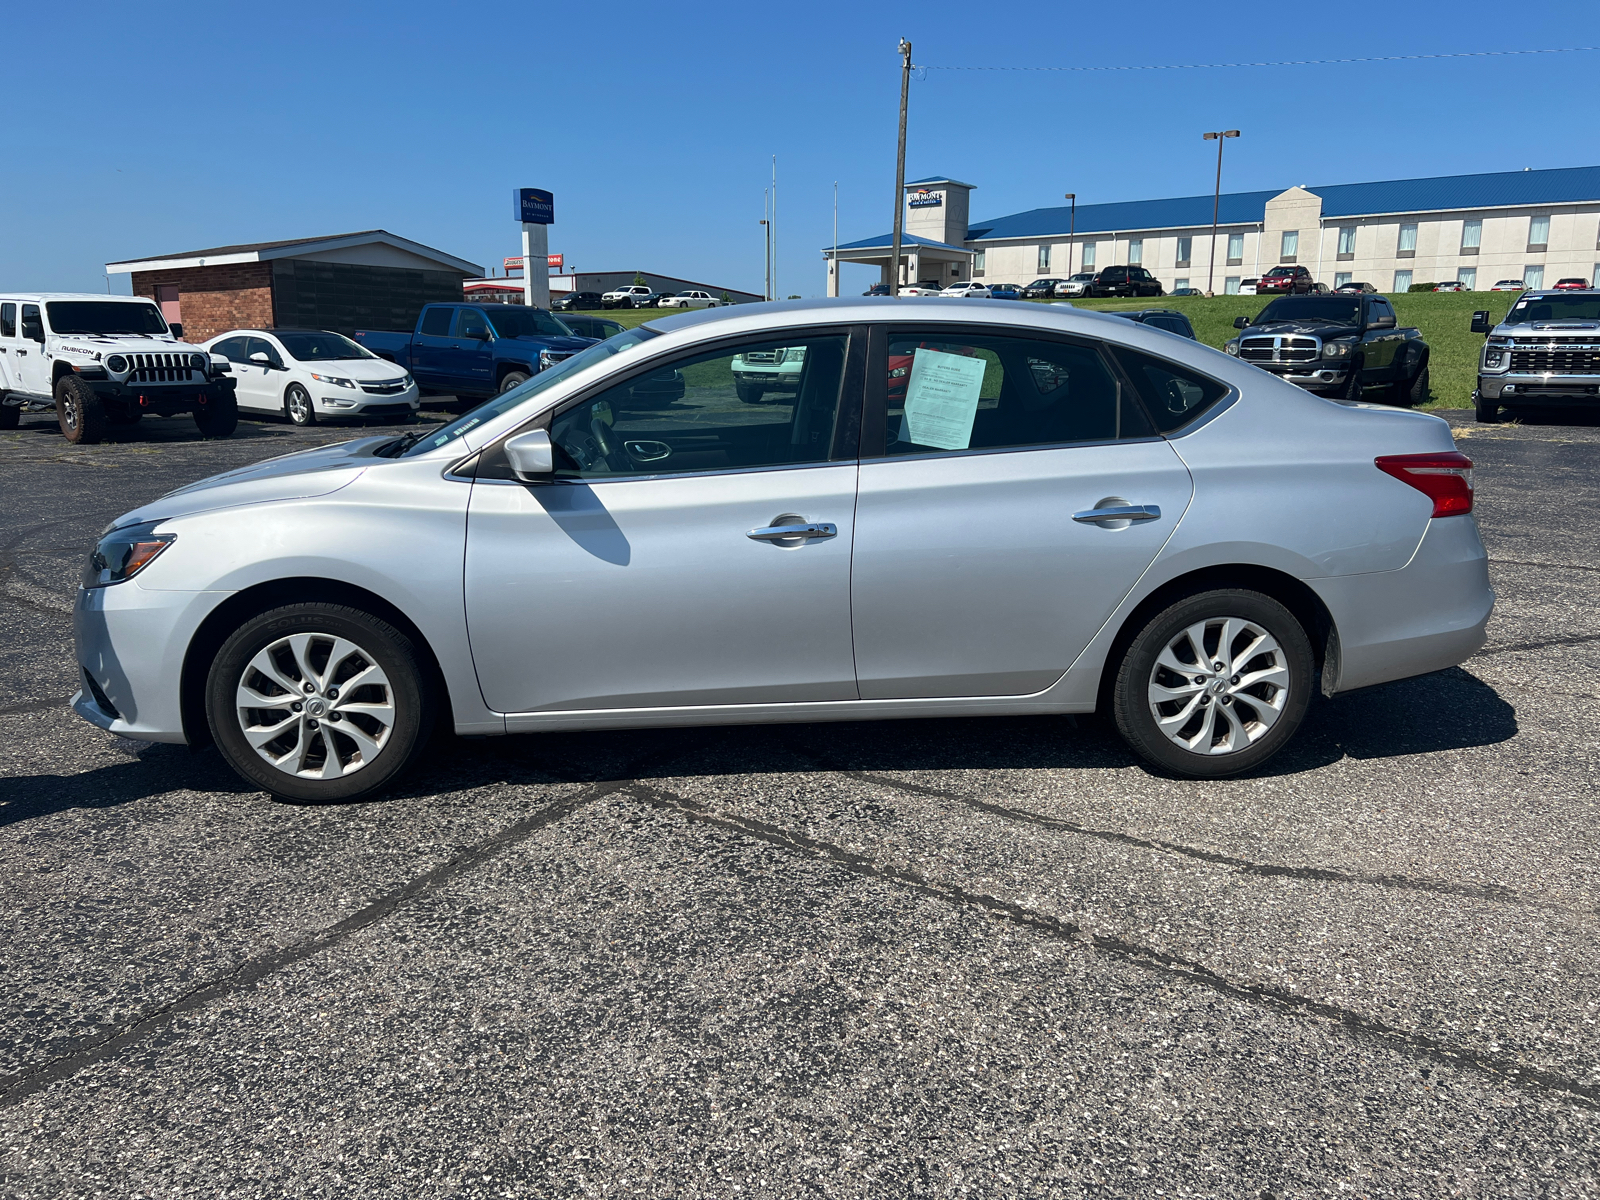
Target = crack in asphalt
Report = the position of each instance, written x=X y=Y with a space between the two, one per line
x=21 y=1084
x=1517 y=562
x=1547 y=1084
x=1511 y=647
x=31 y=706
x=1244 y=866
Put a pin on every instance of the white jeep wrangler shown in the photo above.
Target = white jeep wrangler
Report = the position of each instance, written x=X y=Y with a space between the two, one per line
x=101 y=361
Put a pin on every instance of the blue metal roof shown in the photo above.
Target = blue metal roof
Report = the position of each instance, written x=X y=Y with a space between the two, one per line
x=1499 y=189
x=884 y=242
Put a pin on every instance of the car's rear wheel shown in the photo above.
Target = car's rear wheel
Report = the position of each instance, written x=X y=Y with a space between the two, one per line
x=1416 y=389
x=319 y=702
x=1215 y=684
x=80 y=412
x=297 y=406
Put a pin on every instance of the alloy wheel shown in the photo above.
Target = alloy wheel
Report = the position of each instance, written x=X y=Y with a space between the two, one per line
x=315 y=706
x=1219 y=685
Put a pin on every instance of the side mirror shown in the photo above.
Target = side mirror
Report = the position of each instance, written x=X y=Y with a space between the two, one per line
x=177 y=329
x=531 y=456
x=480 y=335
x=261 y=358
x=1480 y=322
x=1241 y=322
x=1383 y=322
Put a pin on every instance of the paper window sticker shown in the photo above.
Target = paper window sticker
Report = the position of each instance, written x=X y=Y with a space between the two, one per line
x=942 y=399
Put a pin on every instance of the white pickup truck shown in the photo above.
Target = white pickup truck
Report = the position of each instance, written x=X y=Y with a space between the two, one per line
x=633 y=296
x=101 y=361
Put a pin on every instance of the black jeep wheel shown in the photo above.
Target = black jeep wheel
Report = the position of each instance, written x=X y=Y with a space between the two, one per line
x=82 y=416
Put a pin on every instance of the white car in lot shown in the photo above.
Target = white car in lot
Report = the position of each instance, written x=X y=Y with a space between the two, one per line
x=312 y=374
x=966 y=291
x=1508 y=285
x=693 y=298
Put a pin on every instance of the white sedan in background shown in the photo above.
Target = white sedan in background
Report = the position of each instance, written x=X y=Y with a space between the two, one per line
x=966 y=291
x=311 y=374
x=690 y=299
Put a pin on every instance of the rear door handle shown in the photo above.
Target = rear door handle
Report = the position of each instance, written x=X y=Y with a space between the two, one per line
x=1122 y=512
x=783 y=533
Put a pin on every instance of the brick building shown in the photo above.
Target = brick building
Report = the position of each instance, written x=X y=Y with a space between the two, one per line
x=367 y=280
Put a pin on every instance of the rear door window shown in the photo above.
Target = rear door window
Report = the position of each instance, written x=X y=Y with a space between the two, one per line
x=949 y=391
x=8 y=320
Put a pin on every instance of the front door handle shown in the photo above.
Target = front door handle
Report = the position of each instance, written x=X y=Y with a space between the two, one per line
x=797 y=532
x=1122 y=512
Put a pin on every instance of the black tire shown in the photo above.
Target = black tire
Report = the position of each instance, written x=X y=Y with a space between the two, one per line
x=1135 y=711
x=10 y=414
x=748 y=393
x=512 y=379
x=1487 y=411
x=408 y=691
x=1350 y=389
x=297 y=406
x=1415 y=390
x=80 y=412
x=218 y=418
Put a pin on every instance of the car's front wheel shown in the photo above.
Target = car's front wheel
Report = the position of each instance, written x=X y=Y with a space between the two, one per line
x=1215 y=684
x=297 y=406
x=80 y=412
x=512 y=379
x=319 y=702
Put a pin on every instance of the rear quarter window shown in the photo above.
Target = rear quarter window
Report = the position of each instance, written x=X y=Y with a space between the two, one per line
x=1173 y=395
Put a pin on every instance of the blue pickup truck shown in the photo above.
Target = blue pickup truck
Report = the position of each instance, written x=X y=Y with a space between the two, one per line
x=475 y=350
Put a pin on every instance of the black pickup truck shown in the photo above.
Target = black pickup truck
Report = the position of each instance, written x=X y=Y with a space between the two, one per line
x=1338 y=344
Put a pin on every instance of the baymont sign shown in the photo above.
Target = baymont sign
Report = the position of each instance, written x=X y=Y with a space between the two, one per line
x=923 y=198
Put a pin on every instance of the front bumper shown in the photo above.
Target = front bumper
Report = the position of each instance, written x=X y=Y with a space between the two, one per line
x=1514 y=387
x=354 y=402
x=773 y=381
x=164 y=399
x=1313 y=379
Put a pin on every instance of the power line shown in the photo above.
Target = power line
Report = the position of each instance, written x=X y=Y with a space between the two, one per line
x=1300 y=62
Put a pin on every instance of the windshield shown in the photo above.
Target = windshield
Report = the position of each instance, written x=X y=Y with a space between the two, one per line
x=1554 y=308
x=320 y=347
x=104 y=316
x=526 y=322
x=1343 y=310
x=520 y=394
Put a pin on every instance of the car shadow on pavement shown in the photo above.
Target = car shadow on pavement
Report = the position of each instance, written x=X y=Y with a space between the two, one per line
x=1450 y=710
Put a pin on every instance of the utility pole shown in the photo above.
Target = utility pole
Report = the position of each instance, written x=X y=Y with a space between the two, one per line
x=768 y=228
x=1219 y=137
x=1072 y=229
x=835 y=237
x=900 y=169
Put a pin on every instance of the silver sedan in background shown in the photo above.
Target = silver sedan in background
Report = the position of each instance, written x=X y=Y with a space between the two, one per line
x=956 y=510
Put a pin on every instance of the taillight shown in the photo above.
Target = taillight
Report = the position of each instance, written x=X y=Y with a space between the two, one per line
x=1444 y=477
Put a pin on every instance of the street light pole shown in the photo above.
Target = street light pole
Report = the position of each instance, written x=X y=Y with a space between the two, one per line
x=768 y=229
x=1072 y=229
x=1219 y=137
x=900 y=168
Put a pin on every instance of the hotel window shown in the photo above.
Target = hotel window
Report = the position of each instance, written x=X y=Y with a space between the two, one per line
x=1235 y=249
x=1089 y=255
x=1471 y=236
x=1533 y=277
x=1347 y=243
x=1044 y=259
x=1185 y=246
x=1291 y=245
x=1468 y=278
x=1408 y=241
x=1230 y=286
x=1178 y=284
x=1135 y=251
x=1402 y=281
x=978 y=263
x=1341 y=278
x=1538 y=233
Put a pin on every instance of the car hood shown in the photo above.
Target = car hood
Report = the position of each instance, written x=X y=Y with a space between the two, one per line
x=1317 y=328
x=1548 y=327
x=295 y=476
x=121 y=343
x=368 y=369
x=555 y=343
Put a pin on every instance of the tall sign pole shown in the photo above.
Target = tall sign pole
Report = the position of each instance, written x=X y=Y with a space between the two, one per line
x=536 y=210
x=900 y=169
x=1072 y=229
x=1218 y=137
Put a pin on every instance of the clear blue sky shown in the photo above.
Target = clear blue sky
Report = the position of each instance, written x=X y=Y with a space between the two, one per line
x=152 y=128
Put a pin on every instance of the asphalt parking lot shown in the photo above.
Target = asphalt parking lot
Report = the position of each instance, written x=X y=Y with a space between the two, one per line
x=955 y=958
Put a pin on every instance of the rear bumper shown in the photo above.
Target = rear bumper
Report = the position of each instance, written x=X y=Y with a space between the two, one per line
x=1426 y=616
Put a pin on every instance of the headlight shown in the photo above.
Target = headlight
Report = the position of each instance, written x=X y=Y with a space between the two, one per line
x=116 y=364
x=1494 y=359
x=335 y=380
x=1232 y=347
x=1336 y=349
x=406 y=380
x=199 y=361
x=123 y=553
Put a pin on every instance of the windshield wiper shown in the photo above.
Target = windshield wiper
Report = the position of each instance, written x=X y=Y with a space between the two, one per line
x=402 y=443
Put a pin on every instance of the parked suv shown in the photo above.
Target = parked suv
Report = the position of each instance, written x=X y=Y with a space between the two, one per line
x=1124 y=281
x=635 y=295
x=104 y=361
x=1285 y=278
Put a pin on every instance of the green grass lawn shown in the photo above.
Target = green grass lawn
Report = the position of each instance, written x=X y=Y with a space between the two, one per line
x=1443 y=318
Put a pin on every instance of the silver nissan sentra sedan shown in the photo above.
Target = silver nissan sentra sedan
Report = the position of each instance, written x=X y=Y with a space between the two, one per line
x=926 y=509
